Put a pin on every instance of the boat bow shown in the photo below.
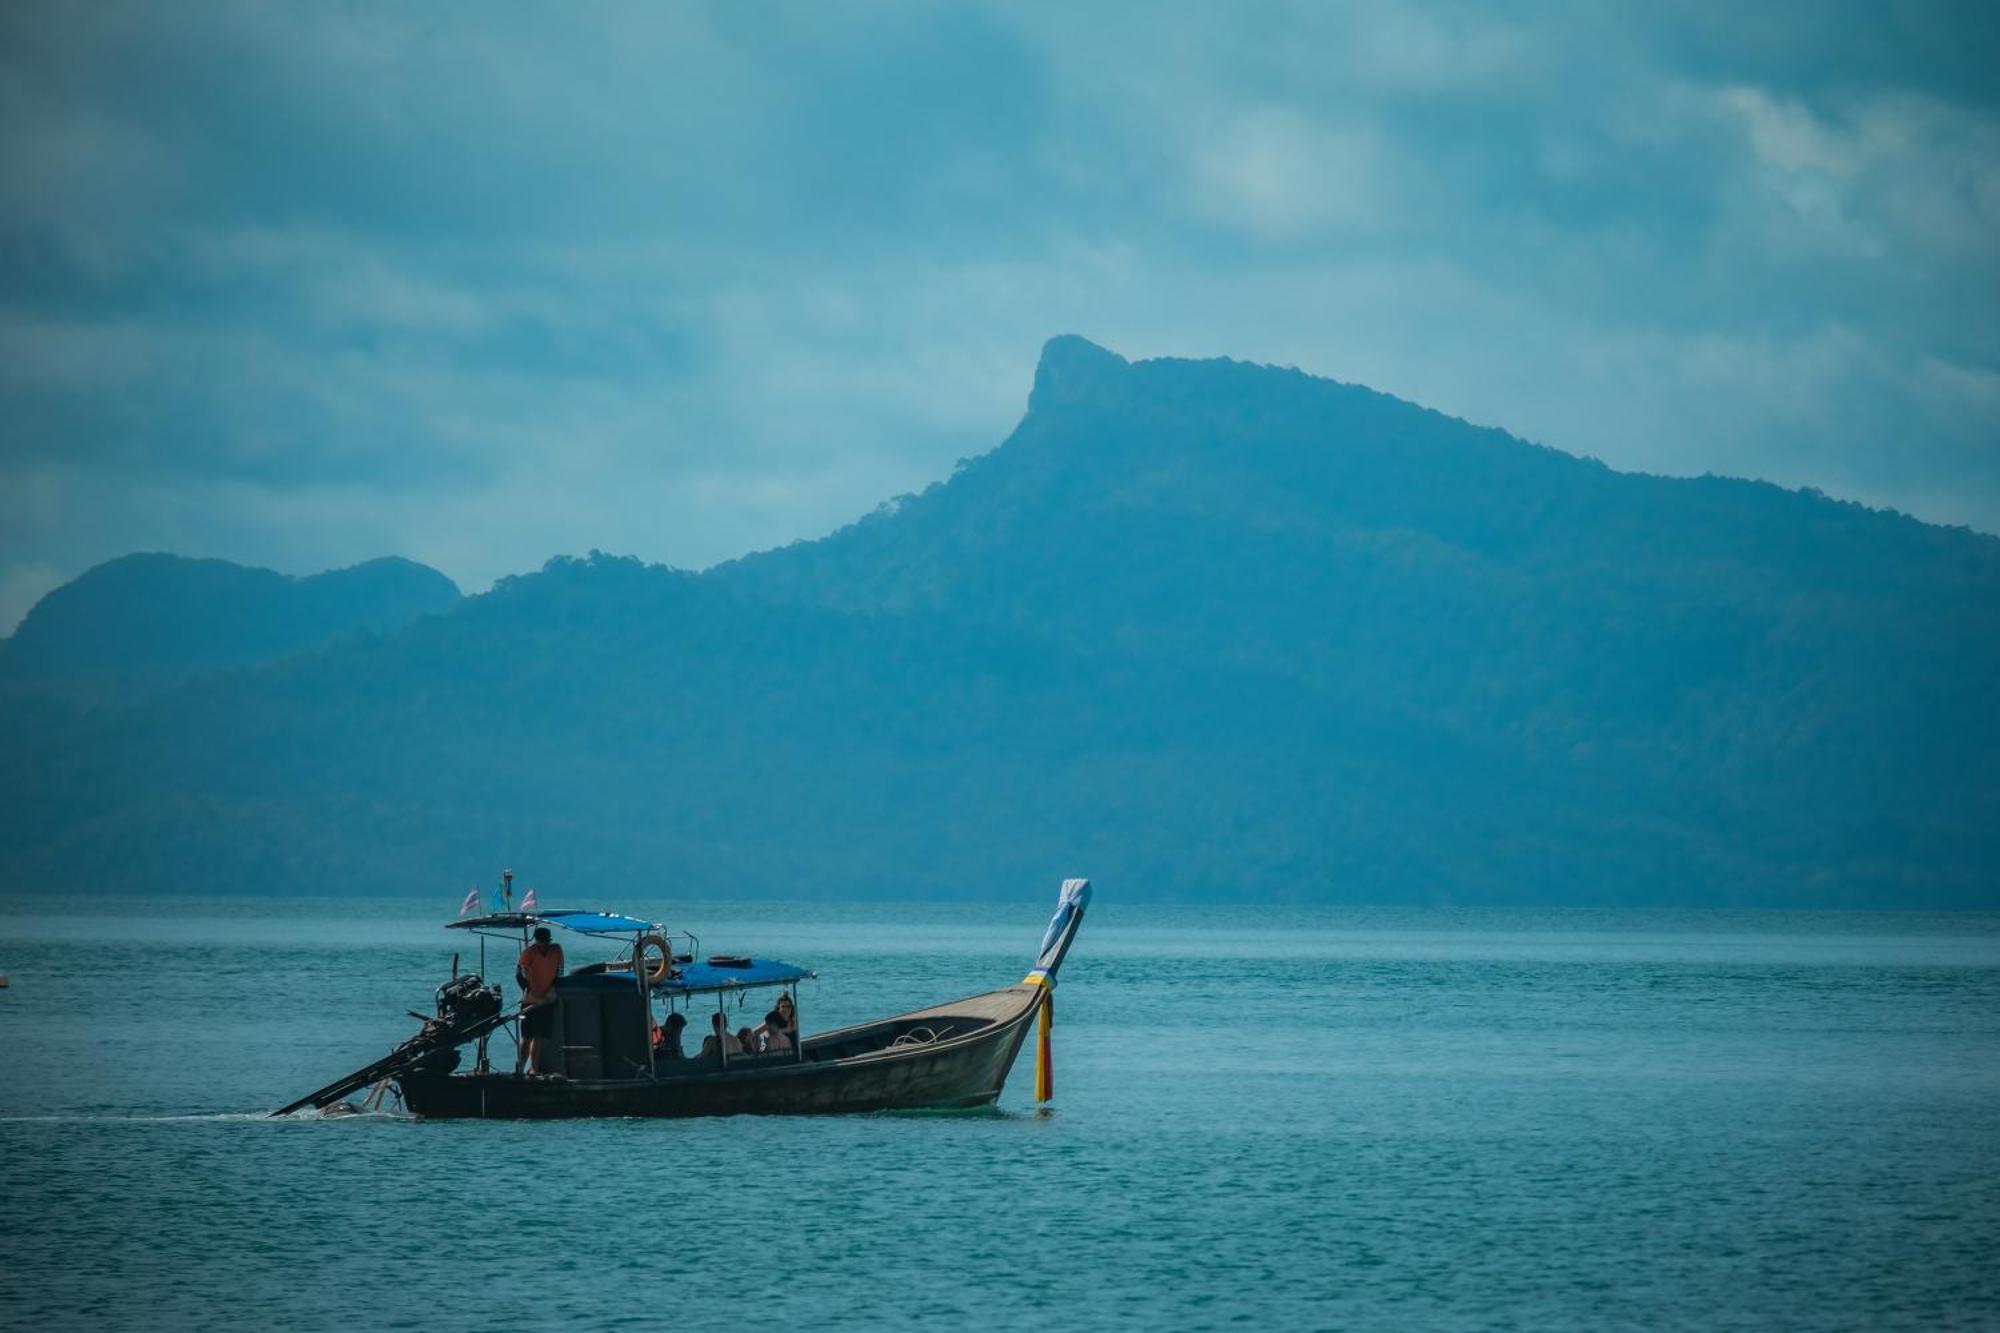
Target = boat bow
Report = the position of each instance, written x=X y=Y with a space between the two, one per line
x=1062 y=930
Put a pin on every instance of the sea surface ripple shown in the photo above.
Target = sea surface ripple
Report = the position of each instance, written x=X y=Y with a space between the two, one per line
x=1291 y=1117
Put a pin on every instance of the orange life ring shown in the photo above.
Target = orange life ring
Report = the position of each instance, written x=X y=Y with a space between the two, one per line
x=665 y=968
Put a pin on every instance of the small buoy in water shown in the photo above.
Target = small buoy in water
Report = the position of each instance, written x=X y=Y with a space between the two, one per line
x=3 y=981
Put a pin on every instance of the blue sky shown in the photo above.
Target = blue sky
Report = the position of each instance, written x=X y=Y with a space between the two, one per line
x=478 y=284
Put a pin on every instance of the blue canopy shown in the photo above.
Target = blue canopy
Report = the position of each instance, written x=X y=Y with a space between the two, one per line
x=701 y=978
x=587 y=923
x=597 y=923
x=695 y=978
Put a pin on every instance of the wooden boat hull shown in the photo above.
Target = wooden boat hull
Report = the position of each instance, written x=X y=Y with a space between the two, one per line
x=952 y=1055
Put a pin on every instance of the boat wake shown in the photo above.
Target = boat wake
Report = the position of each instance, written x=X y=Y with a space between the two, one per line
x=189 y=1118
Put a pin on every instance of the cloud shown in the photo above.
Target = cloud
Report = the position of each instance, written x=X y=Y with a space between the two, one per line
x=1277 y=175
x=301 y=287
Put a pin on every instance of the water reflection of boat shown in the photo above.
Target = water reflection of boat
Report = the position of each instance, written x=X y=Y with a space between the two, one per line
x=949 y=1055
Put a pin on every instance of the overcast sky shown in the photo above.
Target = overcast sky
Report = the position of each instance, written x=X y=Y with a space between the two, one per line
x=480 y=284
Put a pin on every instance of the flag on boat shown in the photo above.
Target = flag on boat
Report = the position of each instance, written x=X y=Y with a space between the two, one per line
x=499 y=904
x=471 y=903
x=529 y=902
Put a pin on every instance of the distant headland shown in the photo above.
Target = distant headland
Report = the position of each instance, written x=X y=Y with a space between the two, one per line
x=1221 y=631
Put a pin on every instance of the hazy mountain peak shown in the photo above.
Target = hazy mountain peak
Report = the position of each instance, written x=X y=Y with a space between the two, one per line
x=1071 y=368
x=141 y=621
x=1228 y=628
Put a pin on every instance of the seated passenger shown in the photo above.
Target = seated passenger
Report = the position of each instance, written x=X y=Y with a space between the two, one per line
x=721 y=1038
x=667 y=1038
x=746 y=1041
x=772 y=1037
x=790 y=1013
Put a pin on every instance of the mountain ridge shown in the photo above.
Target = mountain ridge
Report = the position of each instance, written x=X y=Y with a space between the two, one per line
x=149 y=620
x=1207 y=629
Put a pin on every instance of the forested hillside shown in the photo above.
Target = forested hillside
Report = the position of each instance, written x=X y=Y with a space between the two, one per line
x=136 y=624
x=1202 y=630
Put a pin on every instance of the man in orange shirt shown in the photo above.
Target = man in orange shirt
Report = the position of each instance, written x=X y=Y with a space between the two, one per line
x=536 y=972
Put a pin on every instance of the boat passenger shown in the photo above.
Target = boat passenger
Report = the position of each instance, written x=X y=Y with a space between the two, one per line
x=772 y=1037
x=721 y=1038
x=667 y=1038
x=746 y=1041
x=535 y=972
x=790 y=1013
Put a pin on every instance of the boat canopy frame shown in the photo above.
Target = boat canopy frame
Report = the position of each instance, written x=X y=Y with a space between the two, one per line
x=683 y=981
x=691 y=978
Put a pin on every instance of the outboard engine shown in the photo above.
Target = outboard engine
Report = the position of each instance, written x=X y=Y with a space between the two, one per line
x=463 y=1002
x=467 y=1009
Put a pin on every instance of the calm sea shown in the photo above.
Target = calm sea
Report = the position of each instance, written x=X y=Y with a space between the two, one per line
x=1288 y=1118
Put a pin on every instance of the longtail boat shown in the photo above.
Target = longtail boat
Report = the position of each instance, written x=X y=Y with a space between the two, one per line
x=604 y=1059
